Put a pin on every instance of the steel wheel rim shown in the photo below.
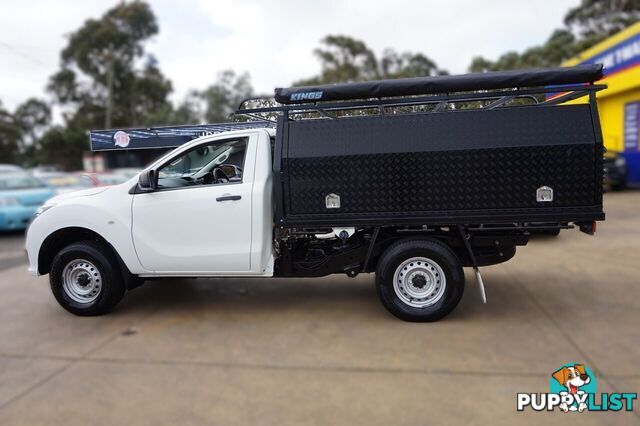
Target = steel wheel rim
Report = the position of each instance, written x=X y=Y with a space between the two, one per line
x=81 y=281
x=419 y=282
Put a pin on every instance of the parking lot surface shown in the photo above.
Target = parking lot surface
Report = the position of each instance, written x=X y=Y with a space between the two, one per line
x=325 y=351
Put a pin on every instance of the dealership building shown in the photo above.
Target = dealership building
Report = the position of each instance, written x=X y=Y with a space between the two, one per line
x=619 y=104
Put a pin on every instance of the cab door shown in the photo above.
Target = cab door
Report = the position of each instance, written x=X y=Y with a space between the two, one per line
x=198 y=219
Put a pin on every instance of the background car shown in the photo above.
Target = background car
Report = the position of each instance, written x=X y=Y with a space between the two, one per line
x=127 y=172
x=11 y=168
x=20 y=197
x=102 y=179
x=62 y=183
x=615 y=171
x=43 y=169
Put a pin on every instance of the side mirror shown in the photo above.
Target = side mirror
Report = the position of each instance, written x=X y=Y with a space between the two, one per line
x=147 y=180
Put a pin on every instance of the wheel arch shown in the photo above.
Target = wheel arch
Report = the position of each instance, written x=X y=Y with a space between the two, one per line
x=385 y=243
x=62 y=237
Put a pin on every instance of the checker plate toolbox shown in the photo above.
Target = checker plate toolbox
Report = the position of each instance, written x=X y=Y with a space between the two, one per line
x=470 y=149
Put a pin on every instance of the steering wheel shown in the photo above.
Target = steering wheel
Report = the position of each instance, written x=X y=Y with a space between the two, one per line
x=220 y=176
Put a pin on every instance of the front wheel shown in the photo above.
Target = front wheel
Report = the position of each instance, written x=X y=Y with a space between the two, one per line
x=419 y=280
x=85 y=279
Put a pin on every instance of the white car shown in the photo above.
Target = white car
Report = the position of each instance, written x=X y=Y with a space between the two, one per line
x=11 y=169
x=411 y=196
x=189 y=226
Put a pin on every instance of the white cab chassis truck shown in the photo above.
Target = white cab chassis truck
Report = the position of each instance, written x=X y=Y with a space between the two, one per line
x=411 y=179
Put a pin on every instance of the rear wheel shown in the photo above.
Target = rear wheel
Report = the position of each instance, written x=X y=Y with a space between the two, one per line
x=85 y=279
x=419 y=280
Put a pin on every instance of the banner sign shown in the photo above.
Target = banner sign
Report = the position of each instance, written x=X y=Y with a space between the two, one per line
x=163 y=137
x=620 y=57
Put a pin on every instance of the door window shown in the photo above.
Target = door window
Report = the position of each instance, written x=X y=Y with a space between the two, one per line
x=214 y=163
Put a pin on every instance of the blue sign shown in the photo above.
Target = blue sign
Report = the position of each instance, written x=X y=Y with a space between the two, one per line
x=619 y=57
x=631 y=123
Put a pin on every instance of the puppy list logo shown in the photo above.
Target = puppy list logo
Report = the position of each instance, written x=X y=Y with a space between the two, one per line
x=573 y=389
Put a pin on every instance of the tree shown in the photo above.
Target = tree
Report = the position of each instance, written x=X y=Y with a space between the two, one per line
x=188 y=111
x=585 y=25
x=19 y=130
x=345 y=59
x=223 y=97
x=598 y=19
x=99 y=67
x=62 y=146
x=33 y=116
x=10 y=136
x=106 y=80
x=560 y=46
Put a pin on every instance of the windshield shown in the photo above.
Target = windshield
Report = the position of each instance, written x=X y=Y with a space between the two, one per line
x=66 y=181
x=19 y=182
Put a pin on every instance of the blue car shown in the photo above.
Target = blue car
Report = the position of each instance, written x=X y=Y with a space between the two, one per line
x=20 y=197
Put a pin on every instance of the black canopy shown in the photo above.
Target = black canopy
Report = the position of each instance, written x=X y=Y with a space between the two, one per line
x=442 y=84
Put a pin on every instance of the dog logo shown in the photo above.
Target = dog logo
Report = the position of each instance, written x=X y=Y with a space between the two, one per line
x=573 y=389
x=572 y=378
x=121 y=139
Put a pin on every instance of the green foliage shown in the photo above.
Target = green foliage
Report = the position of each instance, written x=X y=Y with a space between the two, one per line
x=599 y=19
x=345 y=59
x=587 y=24
x=223 y=97
x=560 y=46
x=106 y=80
x=114 y=38
x=33 y=115
x=19 y=130
x=106 y=72
x=10 y=136
x=62 y=146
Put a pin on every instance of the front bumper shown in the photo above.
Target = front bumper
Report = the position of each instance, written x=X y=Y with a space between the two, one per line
x=16 y=217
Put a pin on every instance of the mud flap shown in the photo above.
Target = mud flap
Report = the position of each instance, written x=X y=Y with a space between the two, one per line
x=465 y=239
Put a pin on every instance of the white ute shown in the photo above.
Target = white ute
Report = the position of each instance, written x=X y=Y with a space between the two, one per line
x=428 y=181
x=184 y=228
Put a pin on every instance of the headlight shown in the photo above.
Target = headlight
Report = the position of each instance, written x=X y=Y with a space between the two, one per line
x=43 y=209
x=6 y=201
x=621 y=162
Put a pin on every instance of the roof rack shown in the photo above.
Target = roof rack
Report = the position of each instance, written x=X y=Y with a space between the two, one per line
x=162 y=137
x=549 y=86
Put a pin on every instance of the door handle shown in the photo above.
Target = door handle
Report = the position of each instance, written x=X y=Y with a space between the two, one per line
x=229 y=198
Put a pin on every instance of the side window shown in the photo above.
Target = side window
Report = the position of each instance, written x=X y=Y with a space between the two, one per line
x=208 y=164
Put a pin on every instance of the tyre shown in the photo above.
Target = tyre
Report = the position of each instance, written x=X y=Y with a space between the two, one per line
x=419 y=280
x=85 y=279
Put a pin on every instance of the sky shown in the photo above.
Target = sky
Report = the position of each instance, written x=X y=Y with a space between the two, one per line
x=272 y=40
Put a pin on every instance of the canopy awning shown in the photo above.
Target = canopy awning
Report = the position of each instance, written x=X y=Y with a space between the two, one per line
x=442 y=84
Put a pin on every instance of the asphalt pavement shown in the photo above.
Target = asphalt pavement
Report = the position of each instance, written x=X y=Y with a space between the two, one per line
x=12 y=249
x=325 y=351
